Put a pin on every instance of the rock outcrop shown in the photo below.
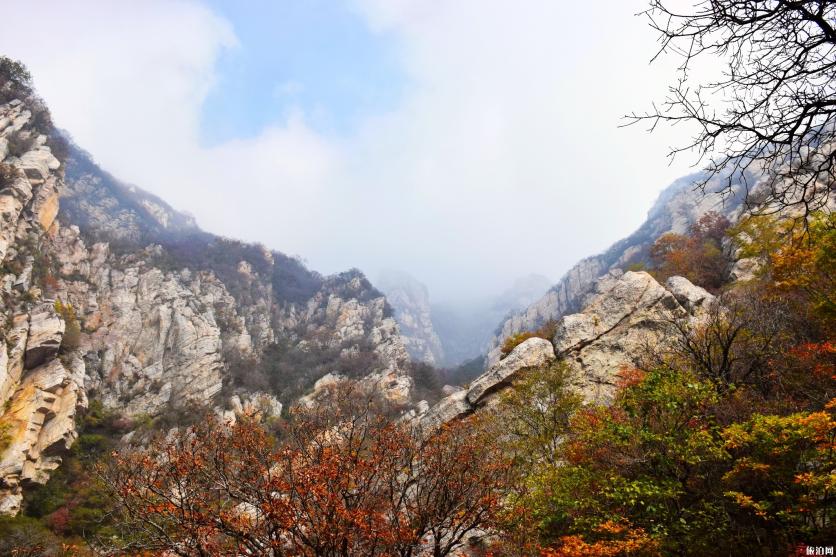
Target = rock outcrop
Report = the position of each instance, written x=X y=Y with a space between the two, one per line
x=40 y=392
x=532 y=353
x=625 y=314
x=411 y=302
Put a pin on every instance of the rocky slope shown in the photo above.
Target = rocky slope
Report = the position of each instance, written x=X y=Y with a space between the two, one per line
x=677 y=207
x=624 y=313
x=118 y=297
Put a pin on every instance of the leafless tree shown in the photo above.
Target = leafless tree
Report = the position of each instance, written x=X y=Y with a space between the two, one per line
x=737 y=341
x=771 y=116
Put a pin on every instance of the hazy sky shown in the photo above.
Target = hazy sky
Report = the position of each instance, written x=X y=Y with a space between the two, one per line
x=467 y=142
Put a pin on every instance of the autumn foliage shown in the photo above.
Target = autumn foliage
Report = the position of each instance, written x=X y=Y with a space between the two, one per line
x=723 y=439
x=696 y=255
x=341 y=479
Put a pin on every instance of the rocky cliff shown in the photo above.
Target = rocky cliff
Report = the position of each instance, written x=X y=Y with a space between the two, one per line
x=118 y=297
x=679 y=205
x=41 y=377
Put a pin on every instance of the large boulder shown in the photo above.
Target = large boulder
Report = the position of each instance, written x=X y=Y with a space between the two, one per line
x=446 y=410
x=692 y=297
x=39 y=424
x=627 y=315
x=533 y=352
x=45 y=331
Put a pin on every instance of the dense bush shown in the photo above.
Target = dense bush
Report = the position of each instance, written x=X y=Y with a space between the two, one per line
x=8 y=174
x=16 y=83
x=292 y=281
x=724 y=442
x=15 y=80
x=289 y=368
x=342 y=479
x=428 y=381
x=20 y=142
x=697 y=255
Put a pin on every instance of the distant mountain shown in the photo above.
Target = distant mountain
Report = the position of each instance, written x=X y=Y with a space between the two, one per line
x=411 y=302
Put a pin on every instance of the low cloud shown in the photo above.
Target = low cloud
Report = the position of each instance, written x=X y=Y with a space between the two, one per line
x=501 y=158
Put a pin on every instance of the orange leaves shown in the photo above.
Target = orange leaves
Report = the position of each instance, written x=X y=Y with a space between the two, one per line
x=344 y=480
x=818 y=357
x=630 y=376
x=617 y=540
x=697 y=255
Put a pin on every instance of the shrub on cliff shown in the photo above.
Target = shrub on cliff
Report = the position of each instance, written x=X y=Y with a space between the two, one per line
x=546 y=331
x=428 y=381
x=15 y=80
x=72 y=330
x=20 y=142
x=696 y=255
x=8 y=174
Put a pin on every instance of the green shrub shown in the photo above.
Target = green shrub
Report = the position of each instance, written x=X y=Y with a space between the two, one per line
x=5 y=436
x=72 y=330
x=15 y=80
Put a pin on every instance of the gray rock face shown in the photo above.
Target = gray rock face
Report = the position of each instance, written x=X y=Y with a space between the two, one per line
x=40 y=394
x=531 y=353
x=45 y=331
x=168 y=337
x=562 y=298
x=745 y=269
x=693 y=298
x=169 y=317
x=626 y=314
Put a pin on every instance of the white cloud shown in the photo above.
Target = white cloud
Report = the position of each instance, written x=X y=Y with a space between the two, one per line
x=502 y=157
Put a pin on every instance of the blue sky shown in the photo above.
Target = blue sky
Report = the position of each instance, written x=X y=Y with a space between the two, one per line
x=466 y=142
x=318 y=56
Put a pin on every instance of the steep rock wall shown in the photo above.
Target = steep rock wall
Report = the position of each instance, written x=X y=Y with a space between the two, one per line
x=41 y=384
x=625 y=313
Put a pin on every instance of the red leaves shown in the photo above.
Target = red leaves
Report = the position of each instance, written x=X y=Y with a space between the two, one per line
x=345 y=480
x=697 y=255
